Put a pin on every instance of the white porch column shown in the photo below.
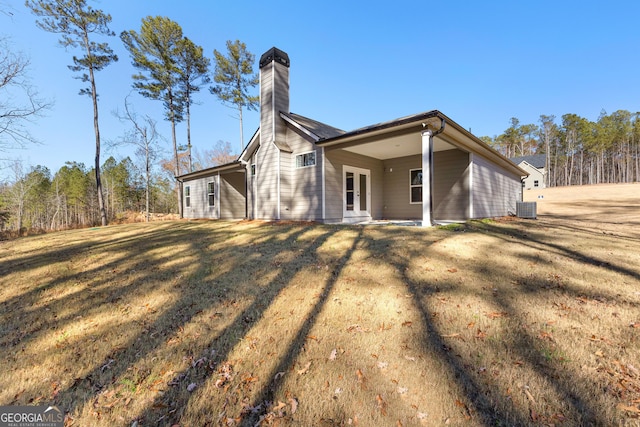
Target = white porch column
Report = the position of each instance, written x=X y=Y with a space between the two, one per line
x=427 y=151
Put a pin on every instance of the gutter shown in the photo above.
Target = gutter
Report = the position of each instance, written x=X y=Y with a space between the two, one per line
x=210 y=171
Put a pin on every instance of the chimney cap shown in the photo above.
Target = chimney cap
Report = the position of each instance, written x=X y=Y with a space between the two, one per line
x=274 y=54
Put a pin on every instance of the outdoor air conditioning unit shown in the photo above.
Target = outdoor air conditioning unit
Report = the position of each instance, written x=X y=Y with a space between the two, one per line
x=526 y=210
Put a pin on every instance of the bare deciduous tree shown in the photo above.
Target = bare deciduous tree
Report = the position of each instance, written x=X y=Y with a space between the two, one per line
x=144 y=137
x=19 y=101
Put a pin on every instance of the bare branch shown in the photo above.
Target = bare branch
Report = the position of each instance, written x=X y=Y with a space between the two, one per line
x=19 y=101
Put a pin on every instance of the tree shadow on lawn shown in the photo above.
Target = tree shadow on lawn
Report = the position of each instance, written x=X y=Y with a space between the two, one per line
x=478 y=390
x=171 y=405
x=269 y=390
x=539 y=241
x=99 y=280
x=474 y=392
x=29 y=320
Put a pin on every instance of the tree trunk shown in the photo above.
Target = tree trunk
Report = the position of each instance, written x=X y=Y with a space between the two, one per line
x=175 y=154
x=189 y=134
x=148 y=172
x=94 y=98
x=241 y=130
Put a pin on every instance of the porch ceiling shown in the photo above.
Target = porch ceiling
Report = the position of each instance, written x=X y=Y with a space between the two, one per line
x=397 y=146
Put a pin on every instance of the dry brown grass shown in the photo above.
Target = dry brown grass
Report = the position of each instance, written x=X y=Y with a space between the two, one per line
x=507 y=322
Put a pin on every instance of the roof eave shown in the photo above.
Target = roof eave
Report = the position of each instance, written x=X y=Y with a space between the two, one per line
x=409 y=121
x=236 y=164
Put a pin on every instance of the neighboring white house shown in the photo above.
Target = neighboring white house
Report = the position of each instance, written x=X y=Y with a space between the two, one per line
x=535 y=165
x=424 y=167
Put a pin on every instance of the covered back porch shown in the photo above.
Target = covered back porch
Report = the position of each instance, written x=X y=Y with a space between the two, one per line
x=401 y=174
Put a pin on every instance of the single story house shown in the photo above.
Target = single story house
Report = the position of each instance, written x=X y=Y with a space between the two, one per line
x=536 y=166
x=422 y=167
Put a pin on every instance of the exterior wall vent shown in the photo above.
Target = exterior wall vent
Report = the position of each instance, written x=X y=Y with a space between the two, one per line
x=526 y=210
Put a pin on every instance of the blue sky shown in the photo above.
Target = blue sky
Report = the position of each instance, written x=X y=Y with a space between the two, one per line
x=356 y=63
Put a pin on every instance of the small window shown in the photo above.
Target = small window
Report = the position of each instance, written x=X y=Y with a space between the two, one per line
x=253 y=169
x=187 y=196
x=306 y=159
x=211 y=193
x=535 y=183
x=415 y=185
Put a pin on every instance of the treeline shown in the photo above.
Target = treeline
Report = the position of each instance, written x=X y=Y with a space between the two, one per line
x=579 y=151
x=36 y=200
x=169 y=68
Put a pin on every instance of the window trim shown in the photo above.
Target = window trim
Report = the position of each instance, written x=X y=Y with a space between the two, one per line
x=211 y=185
x=412 y=186
x=302 y=156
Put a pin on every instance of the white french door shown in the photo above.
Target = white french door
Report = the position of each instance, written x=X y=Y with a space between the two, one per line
x=356 y=192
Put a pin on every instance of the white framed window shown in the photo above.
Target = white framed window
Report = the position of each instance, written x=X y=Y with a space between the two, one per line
x=306 y=159
x=254 y=160
x=535 y=183
x=187 y=196
x=415 y=186
x=211 y=193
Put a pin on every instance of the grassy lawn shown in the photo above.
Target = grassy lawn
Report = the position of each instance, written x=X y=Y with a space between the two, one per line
x=505 y=322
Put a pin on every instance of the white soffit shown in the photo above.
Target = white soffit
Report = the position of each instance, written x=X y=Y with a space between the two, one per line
x=400 y=146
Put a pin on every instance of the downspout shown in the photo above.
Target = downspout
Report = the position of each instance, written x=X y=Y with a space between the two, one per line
x=246 y=187
x=431 y=136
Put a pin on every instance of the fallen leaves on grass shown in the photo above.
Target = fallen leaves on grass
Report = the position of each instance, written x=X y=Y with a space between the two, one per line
x=361 y=379
x=480 y=334
x=357 y=328
x=626 y=408
x=382 y=405
x=334 y=354
x=497 y=314
x=304 y=369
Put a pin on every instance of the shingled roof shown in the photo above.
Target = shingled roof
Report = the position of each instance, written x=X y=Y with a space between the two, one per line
x=319 y=129
x=537 y=160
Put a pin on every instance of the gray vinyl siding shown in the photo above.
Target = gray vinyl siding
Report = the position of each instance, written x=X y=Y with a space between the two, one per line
x=250 y=199
x=232 y=195
x=451 y=185
x=199 y=200
x=281 y=90
x=335 y=160
x=304 y=197
x=285 y=185
x=396 y=188
x=266 y=102
x=266 y=181
x=272 y=164
x=495 y=191
x=274 y=98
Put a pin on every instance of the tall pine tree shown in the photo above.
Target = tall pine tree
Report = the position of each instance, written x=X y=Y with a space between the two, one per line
x=77 y=22
x=235 y=77
x=155 y=51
